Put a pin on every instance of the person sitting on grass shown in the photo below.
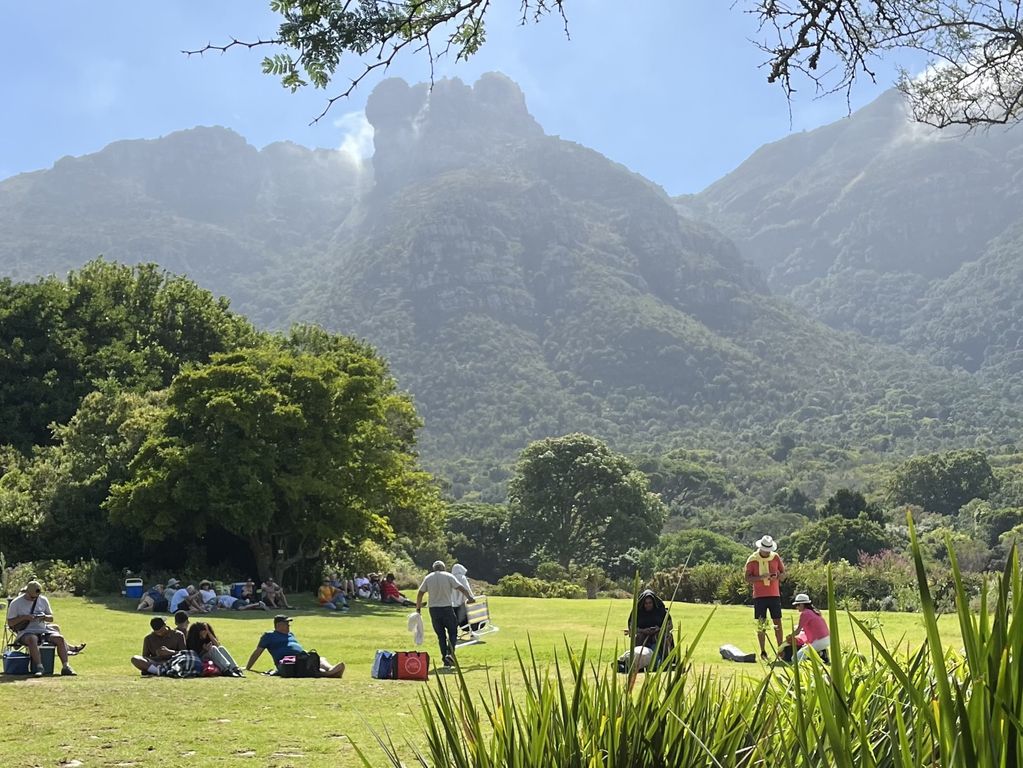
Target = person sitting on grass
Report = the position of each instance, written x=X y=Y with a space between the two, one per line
x=390 y=594
x=331 y=597
x=362 y=590
x=347 y=586
x=281 y=642
x=158 y=646
x=181 y=622
x=208 y=595
x=811 y=631
x=28 y=616
x=273 y=594
x=203 y=640
x=648 y=621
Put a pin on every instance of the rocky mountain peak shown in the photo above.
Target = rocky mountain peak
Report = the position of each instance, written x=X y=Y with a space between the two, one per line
x=422 y=130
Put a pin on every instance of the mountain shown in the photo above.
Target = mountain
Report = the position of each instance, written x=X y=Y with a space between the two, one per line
x=201 y=202
x=889 y=228
x=519 y=284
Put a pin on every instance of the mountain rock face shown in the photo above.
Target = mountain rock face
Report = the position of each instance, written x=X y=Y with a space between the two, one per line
x=520 y=285
x=202 y=202
x=883 y=226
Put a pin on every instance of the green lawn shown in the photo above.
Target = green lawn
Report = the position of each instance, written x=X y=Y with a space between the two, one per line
x=110 y=716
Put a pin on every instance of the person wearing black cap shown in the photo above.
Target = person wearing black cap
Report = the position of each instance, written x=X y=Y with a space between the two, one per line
x=281 y=642
x=158 y=646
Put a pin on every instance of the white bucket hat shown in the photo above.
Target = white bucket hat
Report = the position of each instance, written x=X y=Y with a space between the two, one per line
x=766 y=542
x=802 y=599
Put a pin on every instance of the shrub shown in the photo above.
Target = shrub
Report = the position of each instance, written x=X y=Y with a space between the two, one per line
x=517 y=585
x=88 y=577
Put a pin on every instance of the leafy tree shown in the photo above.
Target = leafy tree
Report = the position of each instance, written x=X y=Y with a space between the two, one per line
x=574 y=500
x=695 y=546
x=838 y=538
x=687 y=479
x=851 y=504
x=977 y=42
x=793 y=500
x=942 y=482
x=285 y=450
x=478 y=537
x=136 y=326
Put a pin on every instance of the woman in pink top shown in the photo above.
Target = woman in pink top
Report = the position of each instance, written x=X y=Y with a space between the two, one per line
x=812 y=628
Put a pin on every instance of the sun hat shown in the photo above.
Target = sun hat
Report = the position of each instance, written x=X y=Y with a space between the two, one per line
x=802 y=599
x=172 y=582
x=766 y=542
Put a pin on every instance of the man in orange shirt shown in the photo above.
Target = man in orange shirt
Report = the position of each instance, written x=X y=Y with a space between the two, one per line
x=764 y=571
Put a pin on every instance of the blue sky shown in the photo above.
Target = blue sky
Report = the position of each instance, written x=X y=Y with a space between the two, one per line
x=673 y=90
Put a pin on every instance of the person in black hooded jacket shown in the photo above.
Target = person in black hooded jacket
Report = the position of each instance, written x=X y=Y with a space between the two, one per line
x=649 y=617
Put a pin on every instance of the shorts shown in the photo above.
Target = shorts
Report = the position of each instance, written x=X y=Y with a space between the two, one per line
x=761 y=605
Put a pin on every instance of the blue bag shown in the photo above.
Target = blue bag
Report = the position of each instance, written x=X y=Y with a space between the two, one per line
x=384 y=665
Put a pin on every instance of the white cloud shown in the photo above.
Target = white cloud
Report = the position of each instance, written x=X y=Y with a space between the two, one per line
x=357 y=136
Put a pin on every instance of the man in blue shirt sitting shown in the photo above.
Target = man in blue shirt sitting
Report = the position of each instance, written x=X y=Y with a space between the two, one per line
x=281 y=642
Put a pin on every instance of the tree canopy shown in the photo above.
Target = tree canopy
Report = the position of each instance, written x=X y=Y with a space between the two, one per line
x=974 y=47
x=942 y=482
x=286 y=450
x=576 y=501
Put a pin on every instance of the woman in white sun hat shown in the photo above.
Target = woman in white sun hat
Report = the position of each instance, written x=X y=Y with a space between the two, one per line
x=812 y=631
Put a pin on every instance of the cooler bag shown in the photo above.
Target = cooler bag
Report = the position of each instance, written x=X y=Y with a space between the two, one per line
x=412 y=665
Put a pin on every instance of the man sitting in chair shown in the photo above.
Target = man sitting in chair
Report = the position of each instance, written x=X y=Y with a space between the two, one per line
x=28 y=616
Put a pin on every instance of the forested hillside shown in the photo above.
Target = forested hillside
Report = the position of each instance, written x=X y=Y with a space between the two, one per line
x=522 y=286
x=889 y=228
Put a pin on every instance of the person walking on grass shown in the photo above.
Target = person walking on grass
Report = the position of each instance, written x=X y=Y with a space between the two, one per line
x=764 y=572
x=441 y=586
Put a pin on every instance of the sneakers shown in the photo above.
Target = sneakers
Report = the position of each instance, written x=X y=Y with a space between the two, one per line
x=68 y=672
x=37 y=671
x=449 y=660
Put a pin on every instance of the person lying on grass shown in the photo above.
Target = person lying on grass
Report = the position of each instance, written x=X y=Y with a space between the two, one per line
x=281 y=642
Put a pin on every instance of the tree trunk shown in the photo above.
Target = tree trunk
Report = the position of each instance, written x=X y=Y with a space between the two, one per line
x=262 y=550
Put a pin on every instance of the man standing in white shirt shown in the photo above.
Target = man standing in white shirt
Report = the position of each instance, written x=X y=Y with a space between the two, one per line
x=28 y=616
x=442 y=586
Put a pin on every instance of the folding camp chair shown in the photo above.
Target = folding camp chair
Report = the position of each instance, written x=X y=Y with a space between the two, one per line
x=14 y=654
x=476 y=625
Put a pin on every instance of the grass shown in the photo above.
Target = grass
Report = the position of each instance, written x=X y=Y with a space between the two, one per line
x=110 y=716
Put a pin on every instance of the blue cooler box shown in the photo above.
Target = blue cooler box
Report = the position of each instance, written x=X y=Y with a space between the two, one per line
x=133 y=588
x=236 y=588
x=20 y=663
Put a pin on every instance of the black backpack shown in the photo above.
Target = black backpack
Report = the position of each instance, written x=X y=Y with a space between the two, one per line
x=304 y=664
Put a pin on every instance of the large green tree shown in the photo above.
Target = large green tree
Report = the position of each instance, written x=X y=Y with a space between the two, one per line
x=286 y=449
x=976 y=45
x=576 y=501
x=136 y=326
x=942 y=482
x=838 y=538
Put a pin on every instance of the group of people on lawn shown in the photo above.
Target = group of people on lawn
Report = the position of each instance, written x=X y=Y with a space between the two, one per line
x=175 y=597
x=651 y=625
x=192 y=648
